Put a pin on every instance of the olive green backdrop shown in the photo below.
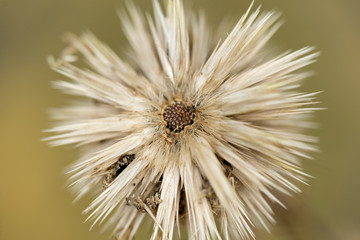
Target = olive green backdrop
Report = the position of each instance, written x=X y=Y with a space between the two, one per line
x=34 y=203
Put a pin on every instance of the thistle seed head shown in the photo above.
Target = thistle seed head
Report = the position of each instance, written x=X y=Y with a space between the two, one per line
x=241 y=146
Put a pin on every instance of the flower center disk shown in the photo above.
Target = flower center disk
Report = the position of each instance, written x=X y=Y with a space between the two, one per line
x=178 y=115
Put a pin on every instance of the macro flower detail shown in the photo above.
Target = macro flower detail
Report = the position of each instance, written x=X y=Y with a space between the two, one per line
x=191 y=130
x=177 y=116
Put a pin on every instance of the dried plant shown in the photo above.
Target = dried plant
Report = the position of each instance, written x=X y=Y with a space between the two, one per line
x=191 y=131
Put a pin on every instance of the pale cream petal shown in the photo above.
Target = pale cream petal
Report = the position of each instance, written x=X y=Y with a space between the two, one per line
x=141 y=41
x=211 y=168
x=200 y=215
x=170 y=196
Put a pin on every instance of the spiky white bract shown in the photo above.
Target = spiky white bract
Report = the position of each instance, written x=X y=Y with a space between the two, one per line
x=239 y=137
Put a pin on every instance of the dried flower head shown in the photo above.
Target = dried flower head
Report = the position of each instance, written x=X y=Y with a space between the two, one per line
x=192 y=131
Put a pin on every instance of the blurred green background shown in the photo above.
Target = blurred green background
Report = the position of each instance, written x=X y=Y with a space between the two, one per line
x=34 y=203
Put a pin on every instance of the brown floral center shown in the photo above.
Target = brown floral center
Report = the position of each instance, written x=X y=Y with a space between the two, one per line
x=178 y=115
